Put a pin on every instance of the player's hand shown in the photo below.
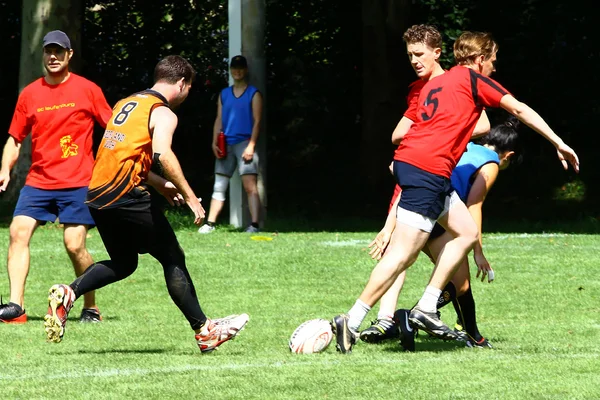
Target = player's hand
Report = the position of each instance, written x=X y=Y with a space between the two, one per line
x=171 y=193
x=4 y=179
x=483 y=268
x=216 y=151
x=248 y=154
x=565 y=153
x=379 y=244
x=391 y=167
x=194 y=205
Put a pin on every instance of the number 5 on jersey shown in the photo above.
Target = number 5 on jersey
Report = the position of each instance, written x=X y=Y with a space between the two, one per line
x=122 y=116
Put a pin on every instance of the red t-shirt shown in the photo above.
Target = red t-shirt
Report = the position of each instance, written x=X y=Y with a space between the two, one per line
x=61 y=121
x=449 y=107
x=412 y=100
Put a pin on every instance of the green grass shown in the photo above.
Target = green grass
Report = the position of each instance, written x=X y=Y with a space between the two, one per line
x=541 y=314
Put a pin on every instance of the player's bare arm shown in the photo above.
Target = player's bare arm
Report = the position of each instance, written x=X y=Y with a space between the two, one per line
x=484 y=180
x=401 y=129
x=257 y=107
x=381 y=241
x=217 y=127
x=165 y=188
x=10 y=154
x=163 y=123
x=483 y=126
x=533 y=120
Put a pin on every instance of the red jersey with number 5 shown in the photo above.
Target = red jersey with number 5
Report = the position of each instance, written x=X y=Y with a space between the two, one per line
x=449 y=107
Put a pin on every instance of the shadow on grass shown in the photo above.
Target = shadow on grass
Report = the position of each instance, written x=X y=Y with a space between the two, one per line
x=125 y=351
x=73 y=317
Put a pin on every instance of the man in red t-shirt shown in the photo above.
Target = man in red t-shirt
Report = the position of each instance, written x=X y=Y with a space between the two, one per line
x=59 y=111
x=449 y=107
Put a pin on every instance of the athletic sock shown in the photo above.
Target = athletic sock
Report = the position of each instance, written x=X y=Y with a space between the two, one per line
x=384 y=316
x=466 y=302
x=357 y=314
x=255 y=224
x=428 y=302
x=210 y=223
x=447 y=296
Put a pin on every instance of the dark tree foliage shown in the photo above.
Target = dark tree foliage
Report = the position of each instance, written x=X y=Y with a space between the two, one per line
x=314 y=49
x=123 y=41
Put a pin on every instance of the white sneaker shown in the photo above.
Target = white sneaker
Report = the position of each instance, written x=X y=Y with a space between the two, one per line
x=252 y=229
x=220 y=331
x=206 y=228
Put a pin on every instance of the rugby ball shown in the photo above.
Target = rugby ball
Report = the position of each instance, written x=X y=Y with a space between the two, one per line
x=312 y=336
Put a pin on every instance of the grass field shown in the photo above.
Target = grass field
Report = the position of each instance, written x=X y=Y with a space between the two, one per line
x=541 y=314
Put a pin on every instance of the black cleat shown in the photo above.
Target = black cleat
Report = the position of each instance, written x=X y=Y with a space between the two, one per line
x=481 y=344
x=90 y=315
x=380 y=330
x=345 y=337
x=12 y=313
x=407 y=332
x=431 y=323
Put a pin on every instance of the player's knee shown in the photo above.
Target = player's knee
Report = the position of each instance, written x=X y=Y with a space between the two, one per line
x=75 y=247
x=220 y=187
x=20 y=235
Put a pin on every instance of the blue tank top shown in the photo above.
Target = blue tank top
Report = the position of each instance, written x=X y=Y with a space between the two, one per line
x=474 y=158
x=236 y=114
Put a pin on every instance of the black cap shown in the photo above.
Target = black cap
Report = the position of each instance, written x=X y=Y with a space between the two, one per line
x=57 y=37
x=238 y=62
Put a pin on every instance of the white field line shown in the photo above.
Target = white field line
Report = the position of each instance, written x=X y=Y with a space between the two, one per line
x=112 y=372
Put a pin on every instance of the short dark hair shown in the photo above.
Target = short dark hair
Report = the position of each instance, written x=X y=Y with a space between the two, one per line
x=504 y=137
x=172 y=68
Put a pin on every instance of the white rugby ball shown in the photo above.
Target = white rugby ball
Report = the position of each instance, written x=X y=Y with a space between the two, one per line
x=312 y=336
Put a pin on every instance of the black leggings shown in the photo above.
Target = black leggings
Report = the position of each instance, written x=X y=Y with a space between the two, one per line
x=127 y=232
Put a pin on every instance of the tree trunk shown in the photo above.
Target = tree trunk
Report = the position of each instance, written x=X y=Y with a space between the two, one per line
x=38 y=18
x=384 y=85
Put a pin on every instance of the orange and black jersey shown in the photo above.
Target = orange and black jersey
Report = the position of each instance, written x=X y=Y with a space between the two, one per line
x=124 y=156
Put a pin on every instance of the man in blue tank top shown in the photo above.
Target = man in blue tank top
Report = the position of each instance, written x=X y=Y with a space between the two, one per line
x=239 y=111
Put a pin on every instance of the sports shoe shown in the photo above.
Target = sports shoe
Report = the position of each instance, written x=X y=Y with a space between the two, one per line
x=60 y=301
x=219 y=331
x=90 y=315
x=380 y=330
x=12 y=313
x=407 y=332
x=481 y=344
x=206 y=228
x=345 y=337
x=251 y=229
x=431 y=323
x=458 y=326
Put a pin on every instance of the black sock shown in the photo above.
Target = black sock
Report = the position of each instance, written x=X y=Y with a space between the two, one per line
x=448 y=295
x=467 y=315
x=210 y=223
x=255 y=224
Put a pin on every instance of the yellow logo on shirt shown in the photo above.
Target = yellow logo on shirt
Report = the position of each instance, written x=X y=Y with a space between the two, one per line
x=55 y=107
x=68 y=147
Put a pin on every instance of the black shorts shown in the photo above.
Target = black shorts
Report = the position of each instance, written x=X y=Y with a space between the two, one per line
x=422 y=192
x=436 y=232
x=134 y=229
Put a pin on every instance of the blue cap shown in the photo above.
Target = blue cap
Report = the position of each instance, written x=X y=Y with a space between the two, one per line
x=57 y=37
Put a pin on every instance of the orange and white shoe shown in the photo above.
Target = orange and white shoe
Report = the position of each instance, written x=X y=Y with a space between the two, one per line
x=218 y=331
x=60 y=301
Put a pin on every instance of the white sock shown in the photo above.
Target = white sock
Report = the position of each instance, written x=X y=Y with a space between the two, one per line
x=428 y=302
x=384 y=315
x=357 y=314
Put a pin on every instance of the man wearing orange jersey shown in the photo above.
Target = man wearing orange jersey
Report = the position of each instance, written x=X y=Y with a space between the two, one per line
x=138 y=138
x=59 y=110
